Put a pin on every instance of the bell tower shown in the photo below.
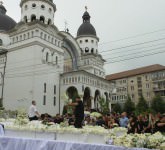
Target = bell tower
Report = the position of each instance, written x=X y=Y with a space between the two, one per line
x=41 y=10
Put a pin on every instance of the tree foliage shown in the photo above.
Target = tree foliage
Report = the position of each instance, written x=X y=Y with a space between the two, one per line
x=142 y=105
x=158 y=104
x=117 y=108
x=104 y=105
x=129 y=106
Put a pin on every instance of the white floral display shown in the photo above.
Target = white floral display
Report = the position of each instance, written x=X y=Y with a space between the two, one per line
x=116 y=136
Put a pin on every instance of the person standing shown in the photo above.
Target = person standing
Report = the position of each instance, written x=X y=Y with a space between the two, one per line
x=79 y=112
x=33 y=113
x=123 y=121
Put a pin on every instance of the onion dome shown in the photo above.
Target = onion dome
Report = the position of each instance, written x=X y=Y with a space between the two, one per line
x=6 y=22
x=86 y=28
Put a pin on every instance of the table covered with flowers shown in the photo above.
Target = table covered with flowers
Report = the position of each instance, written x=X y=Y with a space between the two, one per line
x=116 y=137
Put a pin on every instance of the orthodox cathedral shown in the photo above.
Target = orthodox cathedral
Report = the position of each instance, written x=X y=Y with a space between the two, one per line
x=39 y=62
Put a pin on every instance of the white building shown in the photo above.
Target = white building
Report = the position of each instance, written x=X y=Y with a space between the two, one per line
x=42 y=63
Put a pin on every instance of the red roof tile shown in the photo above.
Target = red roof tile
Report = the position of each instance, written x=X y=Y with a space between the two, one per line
x=135 y=72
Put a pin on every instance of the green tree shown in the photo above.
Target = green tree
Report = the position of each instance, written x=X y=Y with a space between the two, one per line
x=142 y=105
x=129 y=106
x=104 y=105
x=117 y=108
x=158 y=104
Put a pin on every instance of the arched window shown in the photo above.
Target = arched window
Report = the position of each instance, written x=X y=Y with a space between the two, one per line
x=26 y=7
x=41 y=34
x=33 y=18
x=28 y=35
x=50 y=10
x=33 y=5
x=1 y=42
x=25 y=19
x=47 y=56
x=24 y=36
x=49 y=21
x=45 y=36
x=92 y=50
x=42 y=19
x=20 y=37
x=32 y=33
x=42 y=6
x=56 y=60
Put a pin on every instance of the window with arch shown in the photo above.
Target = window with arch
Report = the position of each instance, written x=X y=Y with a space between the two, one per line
x=1 y=42
x=20 y=37
x=56 y=59
x=28 y=35
x=32 y=33
x=42 y=6
x=59 y=43
x=25 y=19
x=45 y=36
x=42 y=19
x=26 y=7
x=92 y=50
x=55 y=41
x=33 y=18
x=49 y=21
x=41 y=34
x=47 y=56
x=33 y=5
x=50 y=10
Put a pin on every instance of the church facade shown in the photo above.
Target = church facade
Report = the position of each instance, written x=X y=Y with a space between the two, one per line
x=39 y=62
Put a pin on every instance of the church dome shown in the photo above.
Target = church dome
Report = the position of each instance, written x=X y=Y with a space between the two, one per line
x=86 y=27
x=6 y=22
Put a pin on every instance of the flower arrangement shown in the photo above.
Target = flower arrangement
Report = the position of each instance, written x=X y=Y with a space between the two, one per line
x=151 y=141
x=96 y=114
x=21 y=117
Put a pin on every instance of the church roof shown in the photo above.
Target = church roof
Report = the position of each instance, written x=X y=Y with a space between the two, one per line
x=86 y=27
x=6 y=22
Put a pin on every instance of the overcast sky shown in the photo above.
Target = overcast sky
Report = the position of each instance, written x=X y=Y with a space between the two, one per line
x=119 y=24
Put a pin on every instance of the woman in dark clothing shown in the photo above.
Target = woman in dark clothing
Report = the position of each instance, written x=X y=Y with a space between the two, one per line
x=141 y=124
x=133 y=128
x=160 y=124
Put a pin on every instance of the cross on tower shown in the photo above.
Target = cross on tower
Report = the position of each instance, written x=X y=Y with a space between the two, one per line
x=1 y=3
x=66 y=25
x=86 y=8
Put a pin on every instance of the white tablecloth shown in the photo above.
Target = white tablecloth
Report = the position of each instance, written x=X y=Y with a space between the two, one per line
x=1 y=130
x=9 y=143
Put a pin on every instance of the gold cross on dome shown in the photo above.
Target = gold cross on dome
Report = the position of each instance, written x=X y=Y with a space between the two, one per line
x=1 y=3
x=86 y=8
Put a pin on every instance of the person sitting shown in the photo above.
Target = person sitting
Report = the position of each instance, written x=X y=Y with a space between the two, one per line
x=100 y=122
x=71 y=119
x=133 y=125
x=33 y=114
x=58 y=119
x=160 y=124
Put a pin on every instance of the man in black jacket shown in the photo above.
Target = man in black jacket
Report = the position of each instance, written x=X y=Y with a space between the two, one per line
x=79 y=112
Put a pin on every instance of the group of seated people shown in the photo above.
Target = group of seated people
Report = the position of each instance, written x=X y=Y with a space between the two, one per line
x=147 y=123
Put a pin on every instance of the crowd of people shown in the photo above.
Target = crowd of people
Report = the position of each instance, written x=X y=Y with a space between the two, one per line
x=143 y=123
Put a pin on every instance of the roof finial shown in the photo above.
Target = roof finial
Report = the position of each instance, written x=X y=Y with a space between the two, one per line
x=86 y=8
x=1 y=2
